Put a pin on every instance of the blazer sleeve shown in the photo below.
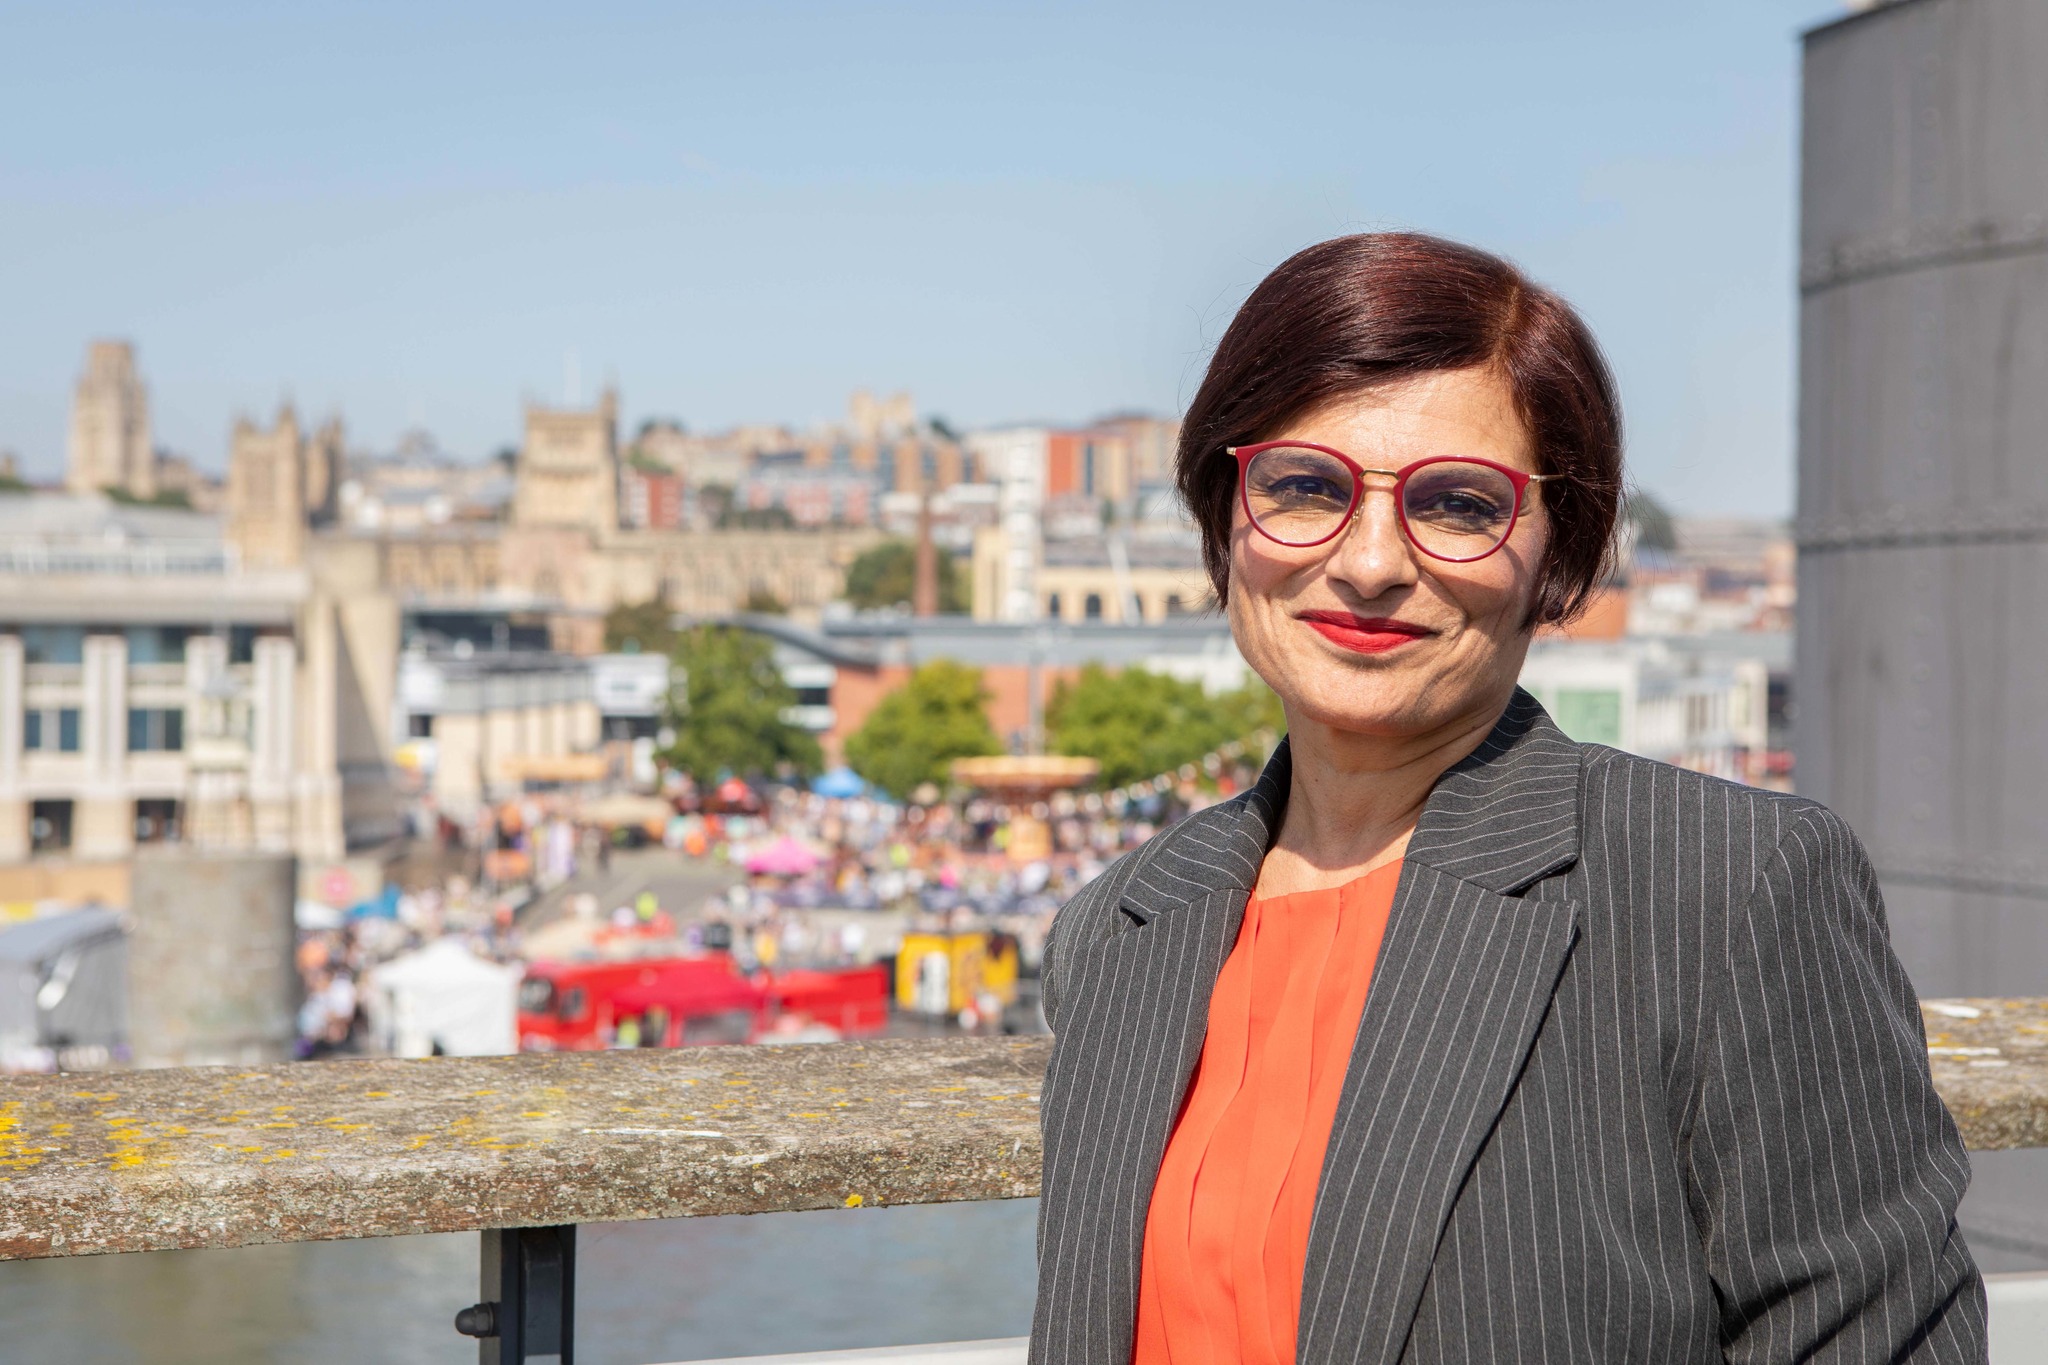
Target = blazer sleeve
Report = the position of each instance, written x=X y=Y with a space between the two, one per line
x=1825 y=1170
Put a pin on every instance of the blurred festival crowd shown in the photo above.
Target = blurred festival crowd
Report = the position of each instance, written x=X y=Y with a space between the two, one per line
x=785 y=877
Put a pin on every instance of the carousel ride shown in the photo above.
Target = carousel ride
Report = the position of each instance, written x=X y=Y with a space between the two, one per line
x=1026 y=783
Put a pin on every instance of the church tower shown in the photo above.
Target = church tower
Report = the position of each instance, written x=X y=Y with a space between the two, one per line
x=569 y=468
x=266 y=497
x=110 y=426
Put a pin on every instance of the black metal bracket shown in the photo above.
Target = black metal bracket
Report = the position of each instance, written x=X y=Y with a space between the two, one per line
x=528 y=1286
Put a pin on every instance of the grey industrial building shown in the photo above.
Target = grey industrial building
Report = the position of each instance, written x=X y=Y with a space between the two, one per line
x=1922 y=666
x=1923 y=473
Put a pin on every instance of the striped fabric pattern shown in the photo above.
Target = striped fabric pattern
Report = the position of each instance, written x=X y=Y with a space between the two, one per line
x=1639 y=1079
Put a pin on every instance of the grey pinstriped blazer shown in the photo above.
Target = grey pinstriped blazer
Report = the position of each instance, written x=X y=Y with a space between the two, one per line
x=1638 y=1079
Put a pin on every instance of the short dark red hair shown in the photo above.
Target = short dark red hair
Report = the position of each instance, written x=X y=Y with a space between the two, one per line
x=1354 y=313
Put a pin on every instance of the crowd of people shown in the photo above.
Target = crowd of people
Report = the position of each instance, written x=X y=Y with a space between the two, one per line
x=808 y=879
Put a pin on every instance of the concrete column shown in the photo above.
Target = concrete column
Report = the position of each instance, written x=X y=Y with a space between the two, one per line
x=206 y=658
x=273 y=741
x=317 y=831
x=211 y=958
x=104 y=724
x=13 y=685
x=13 y=801
x=273 y=717
x=560 y=739
x=103 y=820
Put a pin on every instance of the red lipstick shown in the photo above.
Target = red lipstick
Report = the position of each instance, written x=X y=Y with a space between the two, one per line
x=1363 y=634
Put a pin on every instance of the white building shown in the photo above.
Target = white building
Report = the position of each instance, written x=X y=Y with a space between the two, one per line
x=153 y=690
x=1699 y=702
x=1016 y=459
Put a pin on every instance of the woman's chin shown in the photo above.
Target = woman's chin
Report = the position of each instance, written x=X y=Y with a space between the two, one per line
x=1386 y=708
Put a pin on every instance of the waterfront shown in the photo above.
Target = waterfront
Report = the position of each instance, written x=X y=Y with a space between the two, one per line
x=684 y=1289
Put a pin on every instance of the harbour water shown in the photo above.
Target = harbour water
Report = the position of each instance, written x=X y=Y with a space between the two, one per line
x=679 y=1290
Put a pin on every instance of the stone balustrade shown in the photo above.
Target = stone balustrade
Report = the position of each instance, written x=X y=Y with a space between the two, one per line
x=219 y=1157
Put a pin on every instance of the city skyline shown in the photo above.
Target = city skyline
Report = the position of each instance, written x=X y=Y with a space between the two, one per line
x=413 y=219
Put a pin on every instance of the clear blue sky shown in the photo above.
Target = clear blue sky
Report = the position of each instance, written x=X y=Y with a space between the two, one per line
x=413 y=212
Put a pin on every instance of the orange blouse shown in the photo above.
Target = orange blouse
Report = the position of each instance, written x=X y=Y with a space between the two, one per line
x=1227 y=1235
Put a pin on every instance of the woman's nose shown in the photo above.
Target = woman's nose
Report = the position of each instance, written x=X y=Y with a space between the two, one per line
x=1373 y=553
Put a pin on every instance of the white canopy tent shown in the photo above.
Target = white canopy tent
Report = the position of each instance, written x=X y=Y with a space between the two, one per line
x=444 y=998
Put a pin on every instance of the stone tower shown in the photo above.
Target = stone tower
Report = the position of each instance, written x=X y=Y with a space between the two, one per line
x=569 y=468
x=110 y=426
x=266 y=498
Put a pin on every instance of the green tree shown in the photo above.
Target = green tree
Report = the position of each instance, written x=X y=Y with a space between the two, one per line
x=640 y=628
x=1138 y=724
x=918 y=730
x=731 y=720
x=886 y=576
x=169 y=497
x=1252 y=708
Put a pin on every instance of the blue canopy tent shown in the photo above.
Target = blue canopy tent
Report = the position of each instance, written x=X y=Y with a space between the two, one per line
x=840 y=782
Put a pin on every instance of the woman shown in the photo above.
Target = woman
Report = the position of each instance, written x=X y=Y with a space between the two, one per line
x=1454 y=1039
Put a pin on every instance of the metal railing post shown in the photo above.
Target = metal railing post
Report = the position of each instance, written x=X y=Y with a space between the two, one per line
x=527 y=1310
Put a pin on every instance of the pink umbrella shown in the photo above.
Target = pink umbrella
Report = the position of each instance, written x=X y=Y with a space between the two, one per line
x=786 y=857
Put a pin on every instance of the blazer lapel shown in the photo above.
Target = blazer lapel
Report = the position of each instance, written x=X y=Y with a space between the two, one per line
x=1136 y=1012
x=1465 y=975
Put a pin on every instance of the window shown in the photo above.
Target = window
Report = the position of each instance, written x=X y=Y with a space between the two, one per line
x=1092 y=608
x=49 y=826
x=241 y=644
x=53 y=644
x=1052 y=607
x=156 y=821
x=51 y=731
x=153 y=729
x=419 y=726
x=157 y=644
x=1174 y=606
x=536 y=995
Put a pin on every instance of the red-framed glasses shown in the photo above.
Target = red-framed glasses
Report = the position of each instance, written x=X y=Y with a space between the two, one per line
x=1452 y=507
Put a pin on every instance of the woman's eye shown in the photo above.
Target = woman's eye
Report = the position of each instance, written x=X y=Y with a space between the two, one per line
x=1459 y=506
x=1303 y=488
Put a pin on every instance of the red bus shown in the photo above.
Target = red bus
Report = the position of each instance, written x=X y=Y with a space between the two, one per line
x=688 y=1001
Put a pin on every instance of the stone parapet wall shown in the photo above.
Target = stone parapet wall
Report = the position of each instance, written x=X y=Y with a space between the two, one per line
x=217 y=1157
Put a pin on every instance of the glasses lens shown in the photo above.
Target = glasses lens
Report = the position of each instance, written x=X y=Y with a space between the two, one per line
x=1296 y=495
x=1457 y=510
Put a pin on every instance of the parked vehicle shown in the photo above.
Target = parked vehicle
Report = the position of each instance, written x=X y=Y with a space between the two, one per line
x=940 y=974
x=688 y=1001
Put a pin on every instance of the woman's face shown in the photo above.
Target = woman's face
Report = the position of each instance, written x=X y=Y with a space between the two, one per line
x=1365 y=633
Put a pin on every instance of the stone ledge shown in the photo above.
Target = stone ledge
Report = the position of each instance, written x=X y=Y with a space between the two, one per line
x=220 y=1157
x=1990 y=1060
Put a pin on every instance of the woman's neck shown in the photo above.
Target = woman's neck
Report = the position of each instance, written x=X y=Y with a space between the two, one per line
x=1353 y=799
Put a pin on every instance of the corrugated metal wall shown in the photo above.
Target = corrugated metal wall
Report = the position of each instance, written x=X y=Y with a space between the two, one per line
x=1922 y=677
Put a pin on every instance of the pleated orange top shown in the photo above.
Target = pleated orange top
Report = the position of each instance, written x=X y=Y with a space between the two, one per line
x=1227 y=1234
